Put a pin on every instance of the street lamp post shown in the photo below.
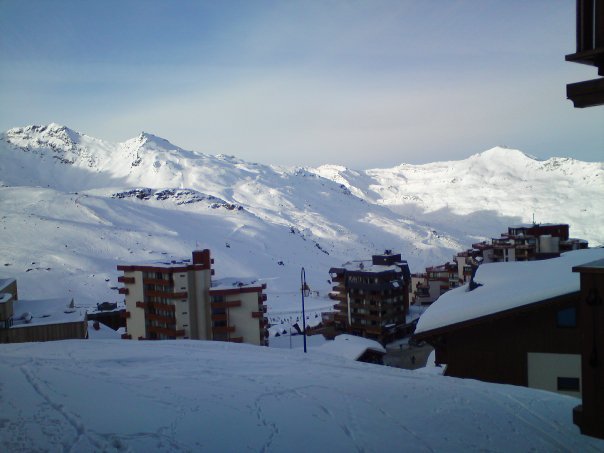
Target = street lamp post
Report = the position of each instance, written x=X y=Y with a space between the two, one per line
x=302 y=289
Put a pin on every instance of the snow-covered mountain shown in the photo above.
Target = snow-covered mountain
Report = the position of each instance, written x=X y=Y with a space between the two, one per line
x=73 y=206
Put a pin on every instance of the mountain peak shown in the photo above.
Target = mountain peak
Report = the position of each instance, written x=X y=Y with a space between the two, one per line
x=502 y=152
x=148 y=140
x=52 y=135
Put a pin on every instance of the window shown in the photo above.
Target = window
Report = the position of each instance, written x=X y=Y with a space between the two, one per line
x=568 y=384
x=567 y=317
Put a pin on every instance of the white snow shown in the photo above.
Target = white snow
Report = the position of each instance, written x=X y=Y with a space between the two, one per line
x=45 y=311
x=64 y=232
x=106 y=395
x=506 y=286
x=350 y=346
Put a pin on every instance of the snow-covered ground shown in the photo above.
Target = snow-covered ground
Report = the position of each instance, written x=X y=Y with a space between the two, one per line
x=106 y=395
x=72 y=207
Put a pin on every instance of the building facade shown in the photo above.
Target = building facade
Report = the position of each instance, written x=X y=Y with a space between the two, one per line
x=175 y=300
x=38 y=320
x=373 y=297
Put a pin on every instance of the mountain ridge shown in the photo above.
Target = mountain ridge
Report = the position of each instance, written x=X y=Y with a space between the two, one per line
x=58 y=196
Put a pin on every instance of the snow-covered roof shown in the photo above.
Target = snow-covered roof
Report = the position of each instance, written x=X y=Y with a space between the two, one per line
x=506 y=286
x=45 y=311
x=103 y=332
x=4 y=282
x=350 y=346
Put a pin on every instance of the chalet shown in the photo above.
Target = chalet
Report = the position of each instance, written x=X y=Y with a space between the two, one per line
x=38 y=320
x=354 y=348
x=517 y=326
x=589 y=416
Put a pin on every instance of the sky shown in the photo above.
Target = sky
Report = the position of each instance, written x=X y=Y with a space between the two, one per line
x=364 y=84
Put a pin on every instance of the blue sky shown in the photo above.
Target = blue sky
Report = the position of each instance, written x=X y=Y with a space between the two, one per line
x=359 y=83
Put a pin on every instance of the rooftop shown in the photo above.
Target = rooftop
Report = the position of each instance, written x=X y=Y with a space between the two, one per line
x=506 y=286
x=350 y=346
x=29 y=313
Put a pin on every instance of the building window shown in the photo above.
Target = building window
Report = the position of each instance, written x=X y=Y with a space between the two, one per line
x=569 y=384
x=567 y=317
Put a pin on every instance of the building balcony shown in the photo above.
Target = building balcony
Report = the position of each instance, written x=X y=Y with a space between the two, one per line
x=164 y=319
x=256 y=314
x=126 y=336
x=223 y=329
x=334 y=295
x=226 y=304
x=167 y=294
x=219 y=317
x=341 y=307
x=165 y=331
x=125 y=314
x=128 y=280
x=158 y=281
x=123 y=291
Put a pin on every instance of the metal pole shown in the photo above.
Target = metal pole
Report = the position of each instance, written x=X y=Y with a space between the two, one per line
x=303 y=282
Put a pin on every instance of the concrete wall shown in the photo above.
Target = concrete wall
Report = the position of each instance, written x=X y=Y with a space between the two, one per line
x=545 y=369
x=135 y=324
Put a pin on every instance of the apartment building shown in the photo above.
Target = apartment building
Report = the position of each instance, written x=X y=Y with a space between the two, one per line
x=530 y=242
x=372 y=296
x=175 y=299
x=519 y=243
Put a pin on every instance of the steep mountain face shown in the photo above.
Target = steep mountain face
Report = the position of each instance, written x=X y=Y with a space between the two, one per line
x=74 y=206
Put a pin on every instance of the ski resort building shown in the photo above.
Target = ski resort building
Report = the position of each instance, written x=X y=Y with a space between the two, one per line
x=38 y=320
x=530 y=242
x=372 y=296
x=520 y=243
x=589 y=416
x=175 y=299
x=517 y=326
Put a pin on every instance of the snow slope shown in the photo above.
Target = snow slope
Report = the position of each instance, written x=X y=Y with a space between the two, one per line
x=106 y=395
x=72 y=207
x=469 y=196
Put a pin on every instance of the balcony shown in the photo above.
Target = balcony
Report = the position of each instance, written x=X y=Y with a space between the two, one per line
x=219 y=317
x=128 y=280
x=256 y=314
x=335 y=295
x=341 y=307
x=165 y=319
x=223 y=329
x=158 y=281
x=167 y=294
x=123 y=291
x=227 y=304
x=125 y=314
x=165 y=331
x=148 y=306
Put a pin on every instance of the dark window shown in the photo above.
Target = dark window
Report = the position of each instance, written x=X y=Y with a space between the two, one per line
x=567 y=317
x=568 y=384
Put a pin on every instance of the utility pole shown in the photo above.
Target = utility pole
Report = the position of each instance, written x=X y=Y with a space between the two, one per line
x=302 y=289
